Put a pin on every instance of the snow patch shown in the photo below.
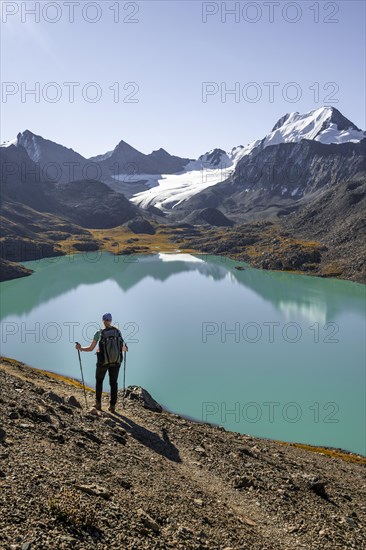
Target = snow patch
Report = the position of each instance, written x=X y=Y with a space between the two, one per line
x=8 y=143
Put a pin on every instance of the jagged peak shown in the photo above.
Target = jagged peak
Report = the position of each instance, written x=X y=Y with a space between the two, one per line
x=124 y=146
x=160 y=151
x=212 y=153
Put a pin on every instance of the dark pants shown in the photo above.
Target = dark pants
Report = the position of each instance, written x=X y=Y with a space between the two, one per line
x=100 y=373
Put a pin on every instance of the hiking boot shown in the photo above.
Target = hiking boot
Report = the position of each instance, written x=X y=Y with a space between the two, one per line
x=112 y=408
x=98 y=406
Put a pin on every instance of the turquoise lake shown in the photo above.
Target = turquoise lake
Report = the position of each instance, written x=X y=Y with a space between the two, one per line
x=270 y=354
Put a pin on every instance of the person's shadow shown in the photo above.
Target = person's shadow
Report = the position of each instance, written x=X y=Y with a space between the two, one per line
x=161 y=445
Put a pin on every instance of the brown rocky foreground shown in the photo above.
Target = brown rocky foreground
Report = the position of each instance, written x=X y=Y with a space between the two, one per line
x=71 y=478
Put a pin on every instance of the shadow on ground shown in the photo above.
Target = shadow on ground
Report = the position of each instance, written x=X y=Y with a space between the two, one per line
x=161 y=445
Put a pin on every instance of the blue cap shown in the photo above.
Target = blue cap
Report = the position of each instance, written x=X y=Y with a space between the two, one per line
x=107 y=317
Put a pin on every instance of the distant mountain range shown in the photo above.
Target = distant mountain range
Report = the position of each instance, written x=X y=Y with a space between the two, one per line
x=309 y=168
x=301 y=155
x=63 y=165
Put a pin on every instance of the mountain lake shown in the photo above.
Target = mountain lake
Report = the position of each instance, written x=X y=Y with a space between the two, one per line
x=270 y=354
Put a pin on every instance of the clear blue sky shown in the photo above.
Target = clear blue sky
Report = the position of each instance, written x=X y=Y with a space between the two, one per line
x=169 y=53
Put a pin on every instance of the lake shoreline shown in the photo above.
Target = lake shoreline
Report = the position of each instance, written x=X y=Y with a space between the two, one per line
x=17 y=270
x=334 y=452
x=262 y=245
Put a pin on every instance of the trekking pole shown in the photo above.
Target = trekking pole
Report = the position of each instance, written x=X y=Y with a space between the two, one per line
x=82 y=376
x=124 y=379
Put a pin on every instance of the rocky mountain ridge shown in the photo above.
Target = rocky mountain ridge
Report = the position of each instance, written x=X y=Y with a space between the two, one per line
x=285 y=178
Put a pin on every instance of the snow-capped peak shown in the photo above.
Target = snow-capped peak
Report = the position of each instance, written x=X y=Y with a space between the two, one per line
x=216 y=159
x=325 y=124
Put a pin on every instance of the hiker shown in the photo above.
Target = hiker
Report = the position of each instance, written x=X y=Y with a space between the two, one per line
x=109 y=358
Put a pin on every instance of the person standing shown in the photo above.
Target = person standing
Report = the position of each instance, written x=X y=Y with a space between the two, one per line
x=109 y=358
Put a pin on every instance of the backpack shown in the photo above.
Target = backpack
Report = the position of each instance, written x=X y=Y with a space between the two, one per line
x=110 y=345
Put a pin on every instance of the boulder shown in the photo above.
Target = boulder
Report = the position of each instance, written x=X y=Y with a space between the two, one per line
x=140 y=225
x=54 y=397
x=148 y=521
x=94 y=490
x=145 y=399
x=318 y=487
x=2 y=435
x=73 y=402
x=242 y=482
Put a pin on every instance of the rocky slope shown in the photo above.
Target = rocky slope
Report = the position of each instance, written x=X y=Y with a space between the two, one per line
x=277 y=245
x=12 y=270
x=280 y=178
x=208 y=216
x=87 y=202
x=91 y=204
x=146 y=479
x=337 y=219
x=27 y=234
x=37 y=216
